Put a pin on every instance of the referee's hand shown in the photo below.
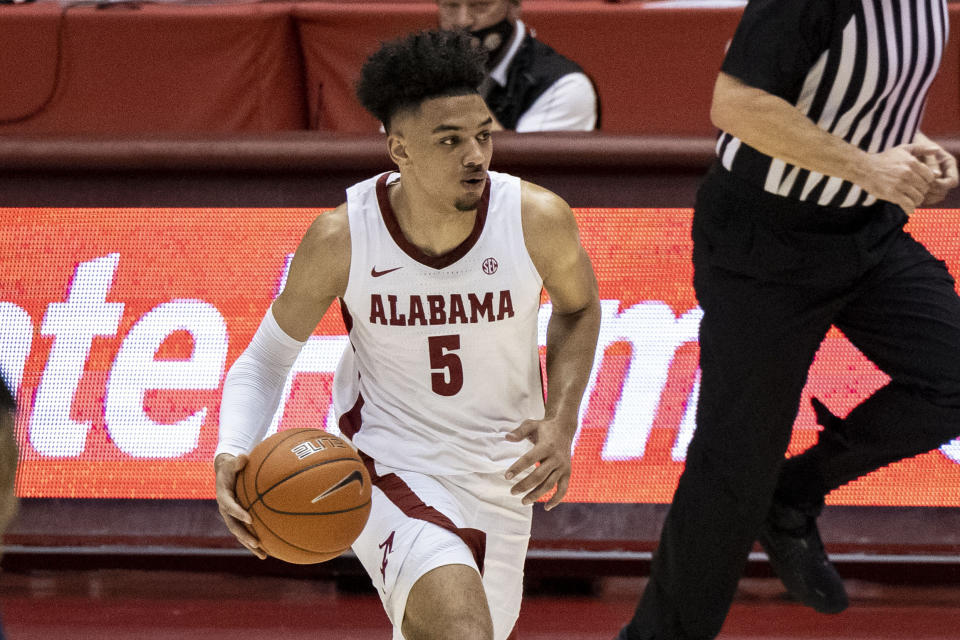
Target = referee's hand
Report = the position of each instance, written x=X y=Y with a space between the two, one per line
x=898 y=175
x=944 y=167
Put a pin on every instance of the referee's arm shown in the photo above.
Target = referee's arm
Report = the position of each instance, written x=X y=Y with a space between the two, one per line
x=773 y=126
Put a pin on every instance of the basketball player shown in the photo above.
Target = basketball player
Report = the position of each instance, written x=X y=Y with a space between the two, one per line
x=438 y=268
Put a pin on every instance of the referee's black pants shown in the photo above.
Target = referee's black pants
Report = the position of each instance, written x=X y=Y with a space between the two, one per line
x=771 y=281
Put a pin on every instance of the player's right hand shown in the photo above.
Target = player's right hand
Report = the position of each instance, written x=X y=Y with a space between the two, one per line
x=234 y=516
x=898 y=175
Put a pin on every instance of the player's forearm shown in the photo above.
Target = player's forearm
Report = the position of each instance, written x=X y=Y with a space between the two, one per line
x=254 y=385
x=251 y=395
x=776 y=128
x=571 y=343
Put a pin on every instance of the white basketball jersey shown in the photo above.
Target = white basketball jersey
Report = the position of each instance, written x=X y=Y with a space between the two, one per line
x=443 y=359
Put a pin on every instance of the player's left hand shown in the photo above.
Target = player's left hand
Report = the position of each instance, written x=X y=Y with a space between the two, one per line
x=552 y=439
x=944 y=167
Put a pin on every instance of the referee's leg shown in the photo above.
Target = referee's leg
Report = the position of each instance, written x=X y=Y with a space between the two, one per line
x=757 y=342
x=907 y=321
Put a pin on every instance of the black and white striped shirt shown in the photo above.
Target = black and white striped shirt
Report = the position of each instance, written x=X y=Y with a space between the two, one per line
x=860 y=69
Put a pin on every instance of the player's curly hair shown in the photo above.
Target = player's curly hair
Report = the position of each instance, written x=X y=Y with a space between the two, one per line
x=405 y=72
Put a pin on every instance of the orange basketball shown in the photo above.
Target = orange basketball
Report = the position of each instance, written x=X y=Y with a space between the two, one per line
x=308 y=493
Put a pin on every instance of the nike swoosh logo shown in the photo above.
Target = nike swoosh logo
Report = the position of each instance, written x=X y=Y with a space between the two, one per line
x=355 y=476
x=377 y=274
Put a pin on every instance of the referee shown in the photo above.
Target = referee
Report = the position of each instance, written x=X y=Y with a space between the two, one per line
x=799 y=226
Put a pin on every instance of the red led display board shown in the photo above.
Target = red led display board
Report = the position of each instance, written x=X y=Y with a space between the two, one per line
x=117 y=327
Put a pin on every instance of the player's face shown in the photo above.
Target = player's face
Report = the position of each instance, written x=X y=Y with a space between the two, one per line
x=445 y=149
x=473 y=14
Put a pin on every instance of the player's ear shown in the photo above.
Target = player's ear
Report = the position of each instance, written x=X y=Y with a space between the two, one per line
x=397 y=147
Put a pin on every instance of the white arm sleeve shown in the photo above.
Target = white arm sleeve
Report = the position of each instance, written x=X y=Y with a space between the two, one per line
x=252 y=388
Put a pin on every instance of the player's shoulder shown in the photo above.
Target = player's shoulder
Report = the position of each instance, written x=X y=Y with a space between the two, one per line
x=321 y=264
x=326 y=244
x=329 y=229
x=549 y=227
x=540 y=206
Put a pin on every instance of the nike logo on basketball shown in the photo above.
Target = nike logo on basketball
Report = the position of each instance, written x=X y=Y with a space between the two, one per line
x=377 y=274
x=355 y=476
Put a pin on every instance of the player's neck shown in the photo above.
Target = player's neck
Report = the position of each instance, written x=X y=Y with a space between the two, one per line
x=432 y=229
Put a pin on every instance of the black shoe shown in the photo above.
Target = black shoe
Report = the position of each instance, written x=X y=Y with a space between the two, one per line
x=790 y=537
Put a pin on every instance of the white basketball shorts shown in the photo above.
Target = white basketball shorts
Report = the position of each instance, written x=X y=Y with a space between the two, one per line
x=419 y=522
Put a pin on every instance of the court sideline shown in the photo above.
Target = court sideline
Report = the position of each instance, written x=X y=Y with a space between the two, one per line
x=119 y=604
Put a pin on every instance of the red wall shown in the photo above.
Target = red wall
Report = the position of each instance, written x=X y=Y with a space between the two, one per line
x=292 y=66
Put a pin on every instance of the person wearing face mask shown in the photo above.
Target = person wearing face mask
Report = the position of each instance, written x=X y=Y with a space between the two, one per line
x=529 y=86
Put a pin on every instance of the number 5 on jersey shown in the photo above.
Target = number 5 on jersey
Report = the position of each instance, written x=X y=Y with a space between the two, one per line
x=446 y=375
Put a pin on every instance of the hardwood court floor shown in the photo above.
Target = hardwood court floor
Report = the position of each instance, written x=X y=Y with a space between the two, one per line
x=179 y=605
